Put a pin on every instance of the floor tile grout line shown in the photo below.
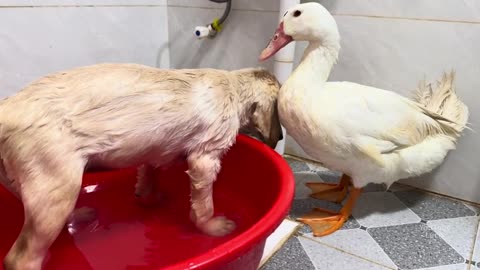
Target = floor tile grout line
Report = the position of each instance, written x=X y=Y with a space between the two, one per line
x=474 y=243
x=381 y=247
x=406 y=206
x=440 y=219
x=304 y=250
x=308 y=255
x=420 y=222
x=399 y=224
x=281 y=244
x=433 y=193
x=439 y=237
x=470 y=256
x=304 y=160
x=346 y=252
x=426 y=224
x=439 y=195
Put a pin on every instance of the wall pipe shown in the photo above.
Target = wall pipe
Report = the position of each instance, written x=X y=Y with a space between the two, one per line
x=283 y=63
x=210 y=30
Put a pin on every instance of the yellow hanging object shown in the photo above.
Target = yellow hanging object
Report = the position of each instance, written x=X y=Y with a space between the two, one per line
x=216 y=26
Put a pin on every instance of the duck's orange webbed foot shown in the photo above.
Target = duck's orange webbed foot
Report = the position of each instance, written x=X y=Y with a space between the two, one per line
x=330 y=192
x=324 y=222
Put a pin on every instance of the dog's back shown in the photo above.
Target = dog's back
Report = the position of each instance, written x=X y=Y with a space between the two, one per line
x=120 y=114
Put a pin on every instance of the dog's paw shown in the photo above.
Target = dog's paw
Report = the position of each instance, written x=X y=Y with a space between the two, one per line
x=81 y=219
x=82 y=215
x=218 y=226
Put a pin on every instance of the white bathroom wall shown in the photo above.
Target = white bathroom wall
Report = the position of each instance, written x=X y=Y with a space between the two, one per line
x=38 y=37
x=393 y=44
x=390 y=44
x=246 y=32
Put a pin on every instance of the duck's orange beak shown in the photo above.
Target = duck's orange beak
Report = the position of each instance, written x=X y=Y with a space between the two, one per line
x=278 y=41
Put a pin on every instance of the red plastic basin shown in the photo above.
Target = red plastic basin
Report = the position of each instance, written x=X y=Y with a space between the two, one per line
x=254 y=188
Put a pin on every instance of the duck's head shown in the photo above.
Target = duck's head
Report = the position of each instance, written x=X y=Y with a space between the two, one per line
x=303 y=22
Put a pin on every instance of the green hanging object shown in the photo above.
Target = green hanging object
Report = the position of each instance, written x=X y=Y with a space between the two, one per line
x=216 y=25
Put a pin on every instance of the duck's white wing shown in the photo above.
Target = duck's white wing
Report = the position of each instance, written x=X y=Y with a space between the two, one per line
x=377 y=121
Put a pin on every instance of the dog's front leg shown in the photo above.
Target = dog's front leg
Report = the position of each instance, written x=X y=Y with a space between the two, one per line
x=203 y=170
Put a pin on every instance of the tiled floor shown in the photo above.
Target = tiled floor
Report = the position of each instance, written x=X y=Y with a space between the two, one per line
x=402 y=228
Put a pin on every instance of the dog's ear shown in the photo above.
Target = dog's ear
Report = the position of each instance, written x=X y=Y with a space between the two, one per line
x=266 y=121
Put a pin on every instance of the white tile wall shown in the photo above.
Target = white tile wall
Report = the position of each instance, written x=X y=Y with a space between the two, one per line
x=395 y=53
x=463 y=10
x=263 y=5
x=425 y=38
x=238 y=45
x=42 y=3
x=39 y=40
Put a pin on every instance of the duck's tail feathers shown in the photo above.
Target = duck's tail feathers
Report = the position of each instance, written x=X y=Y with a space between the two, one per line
x=443 y=103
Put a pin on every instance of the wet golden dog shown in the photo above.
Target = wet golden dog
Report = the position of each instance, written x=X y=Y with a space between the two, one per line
x=121 y=115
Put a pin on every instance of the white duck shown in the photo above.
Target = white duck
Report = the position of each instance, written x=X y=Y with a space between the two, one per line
x=369 y=134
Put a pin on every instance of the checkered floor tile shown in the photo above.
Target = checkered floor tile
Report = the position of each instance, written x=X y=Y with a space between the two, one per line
x=402 y=228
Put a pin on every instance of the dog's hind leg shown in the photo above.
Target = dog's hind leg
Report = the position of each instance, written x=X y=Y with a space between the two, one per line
x=49 y=195
x=146 y=190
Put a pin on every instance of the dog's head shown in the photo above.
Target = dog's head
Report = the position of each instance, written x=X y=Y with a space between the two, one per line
x=262 y=114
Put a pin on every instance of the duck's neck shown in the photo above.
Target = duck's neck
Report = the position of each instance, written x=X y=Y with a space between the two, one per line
x=316 y=64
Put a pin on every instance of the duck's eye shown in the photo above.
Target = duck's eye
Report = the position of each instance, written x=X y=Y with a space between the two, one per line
x=297 y=13
x=285 y=13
